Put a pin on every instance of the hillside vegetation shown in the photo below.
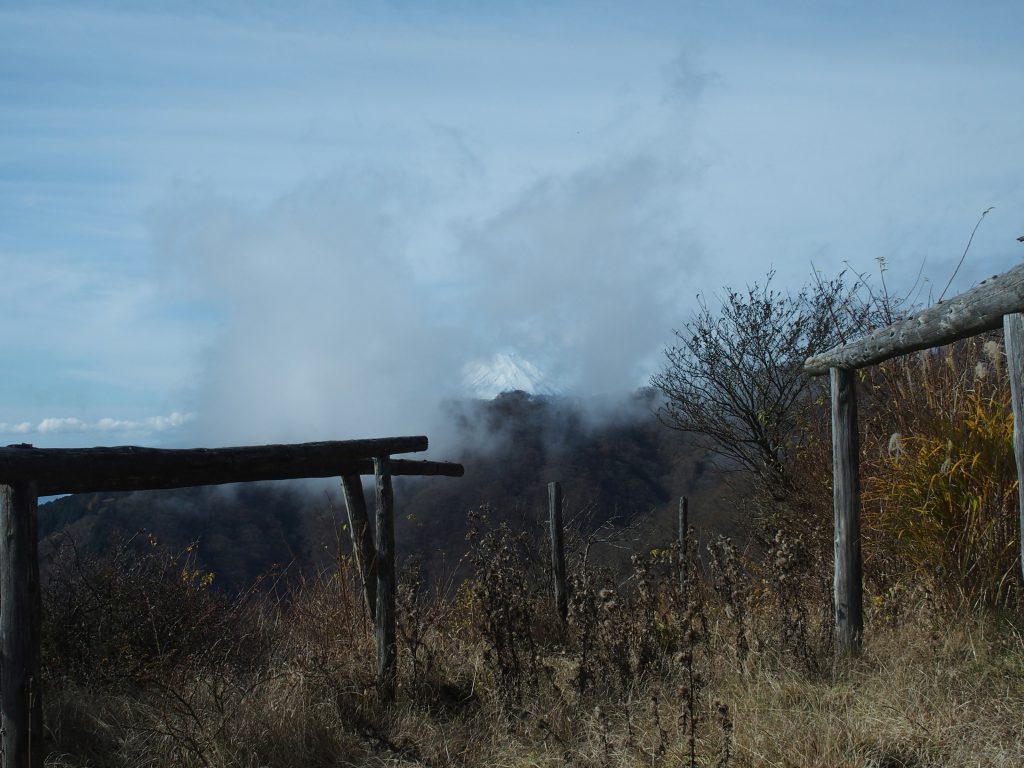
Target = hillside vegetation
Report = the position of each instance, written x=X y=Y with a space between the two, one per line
x=614 y=460
x=149 y=666
x=716 y=653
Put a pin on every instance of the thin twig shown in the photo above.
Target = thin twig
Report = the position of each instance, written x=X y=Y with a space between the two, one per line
x=964 y=256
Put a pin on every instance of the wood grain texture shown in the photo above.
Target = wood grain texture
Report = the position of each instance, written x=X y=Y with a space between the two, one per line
x=385 y=629
x=1013 y=333
x=362 y=539
x=848 y=579
x=558 y=550
x=20 y=627
x=975 y=311
x=130 y=468
x=683 y=534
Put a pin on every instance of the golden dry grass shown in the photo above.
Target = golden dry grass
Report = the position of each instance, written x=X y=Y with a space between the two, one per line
x=932 y=688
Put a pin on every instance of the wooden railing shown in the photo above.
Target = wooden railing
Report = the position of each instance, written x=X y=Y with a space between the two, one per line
x=993 y=303
x=27 y=472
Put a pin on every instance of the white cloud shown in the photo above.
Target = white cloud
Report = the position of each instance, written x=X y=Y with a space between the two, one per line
x=388 y=196
x=71 y=424
x=22 y=428
x=66 y=424
x=353 y=302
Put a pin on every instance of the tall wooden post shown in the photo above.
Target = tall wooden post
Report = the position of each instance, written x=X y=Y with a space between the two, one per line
x=362 y=539
x=558 y=550
x=847 y=585
x=1013 y=339
x=387 y=653
x=684 y=531
x=20 y=628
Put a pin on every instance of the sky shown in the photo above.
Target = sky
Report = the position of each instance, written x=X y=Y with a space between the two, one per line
x=225 y=223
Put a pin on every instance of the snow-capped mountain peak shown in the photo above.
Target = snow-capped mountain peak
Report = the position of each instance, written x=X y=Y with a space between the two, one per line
x=503 y=372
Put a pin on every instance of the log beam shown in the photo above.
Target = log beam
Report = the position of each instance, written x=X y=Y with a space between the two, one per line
x=1013 y=333
x=130 y=468
x=848 y=579
x=683 y=536
x=385 y=627
x=399 y=467
x=21 y=708
x=558 y=550
x=363 y=549
x=975 y=311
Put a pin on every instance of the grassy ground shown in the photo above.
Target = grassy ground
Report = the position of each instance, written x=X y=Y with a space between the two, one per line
x=732 y=671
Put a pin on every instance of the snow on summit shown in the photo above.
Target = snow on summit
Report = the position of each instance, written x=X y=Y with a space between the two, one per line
x=487 y=378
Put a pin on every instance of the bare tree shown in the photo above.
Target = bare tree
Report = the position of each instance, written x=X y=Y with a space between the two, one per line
x=735 y=377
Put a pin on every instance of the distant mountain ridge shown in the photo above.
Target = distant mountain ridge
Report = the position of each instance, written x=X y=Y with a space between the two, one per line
x=614 y=463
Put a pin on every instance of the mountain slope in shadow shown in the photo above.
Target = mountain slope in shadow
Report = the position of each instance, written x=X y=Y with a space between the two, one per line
x=617 y=464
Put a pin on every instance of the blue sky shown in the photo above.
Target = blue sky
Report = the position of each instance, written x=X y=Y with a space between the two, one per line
x=224 y=223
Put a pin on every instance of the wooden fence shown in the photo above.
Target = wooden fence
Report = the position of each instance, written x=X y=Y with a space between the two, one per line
x=27 y=472
x=557 y=535
x=994 y=303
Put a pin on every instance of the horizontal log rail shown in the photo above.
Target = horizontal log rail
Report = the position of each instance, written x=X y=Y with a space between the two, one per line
x=403 y=467
x=975 y=311
x=27 y=472
x=992 y=304
x=128 y=468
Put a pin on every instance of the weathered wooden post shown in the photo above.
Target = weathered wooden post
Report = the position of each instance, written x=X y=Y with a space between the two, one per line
x=847 y=584
x=989 y=305
x=20 y=628
x=1013 y=340
x=129 y=468
x=387 y=653
x=558 y=549
x=684 y=532
x=362 y=539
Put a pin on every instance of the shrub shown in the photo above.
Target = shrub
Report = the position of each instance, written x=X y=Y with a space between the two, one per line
x=131 y=613
x=940 y=479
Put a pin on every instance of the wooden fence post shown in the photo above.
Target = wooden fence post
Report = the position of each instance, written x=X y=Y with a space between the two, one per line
x=558 y=549
x=684 y=531
x=1013 y=339
x=20 y=628
x=362 y=540
x=387 y=653
x=847 y=585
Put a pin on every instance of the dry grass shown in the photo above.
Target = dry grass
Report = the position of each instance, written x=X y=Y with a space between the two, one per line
x=933 y=687
x=940 y=479
x=923 y=694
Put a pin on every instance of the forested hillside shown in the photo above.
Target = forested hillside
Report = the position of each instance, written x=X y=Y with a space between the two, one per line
x=615 y=461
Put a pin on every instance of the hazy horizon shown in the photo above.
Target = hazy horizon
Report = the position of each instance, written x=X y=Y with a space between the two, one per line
x=230 y=224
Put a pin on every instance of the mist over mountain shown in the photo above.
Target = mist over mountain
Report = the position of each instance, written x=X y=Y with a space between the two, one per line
x=617 y=465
